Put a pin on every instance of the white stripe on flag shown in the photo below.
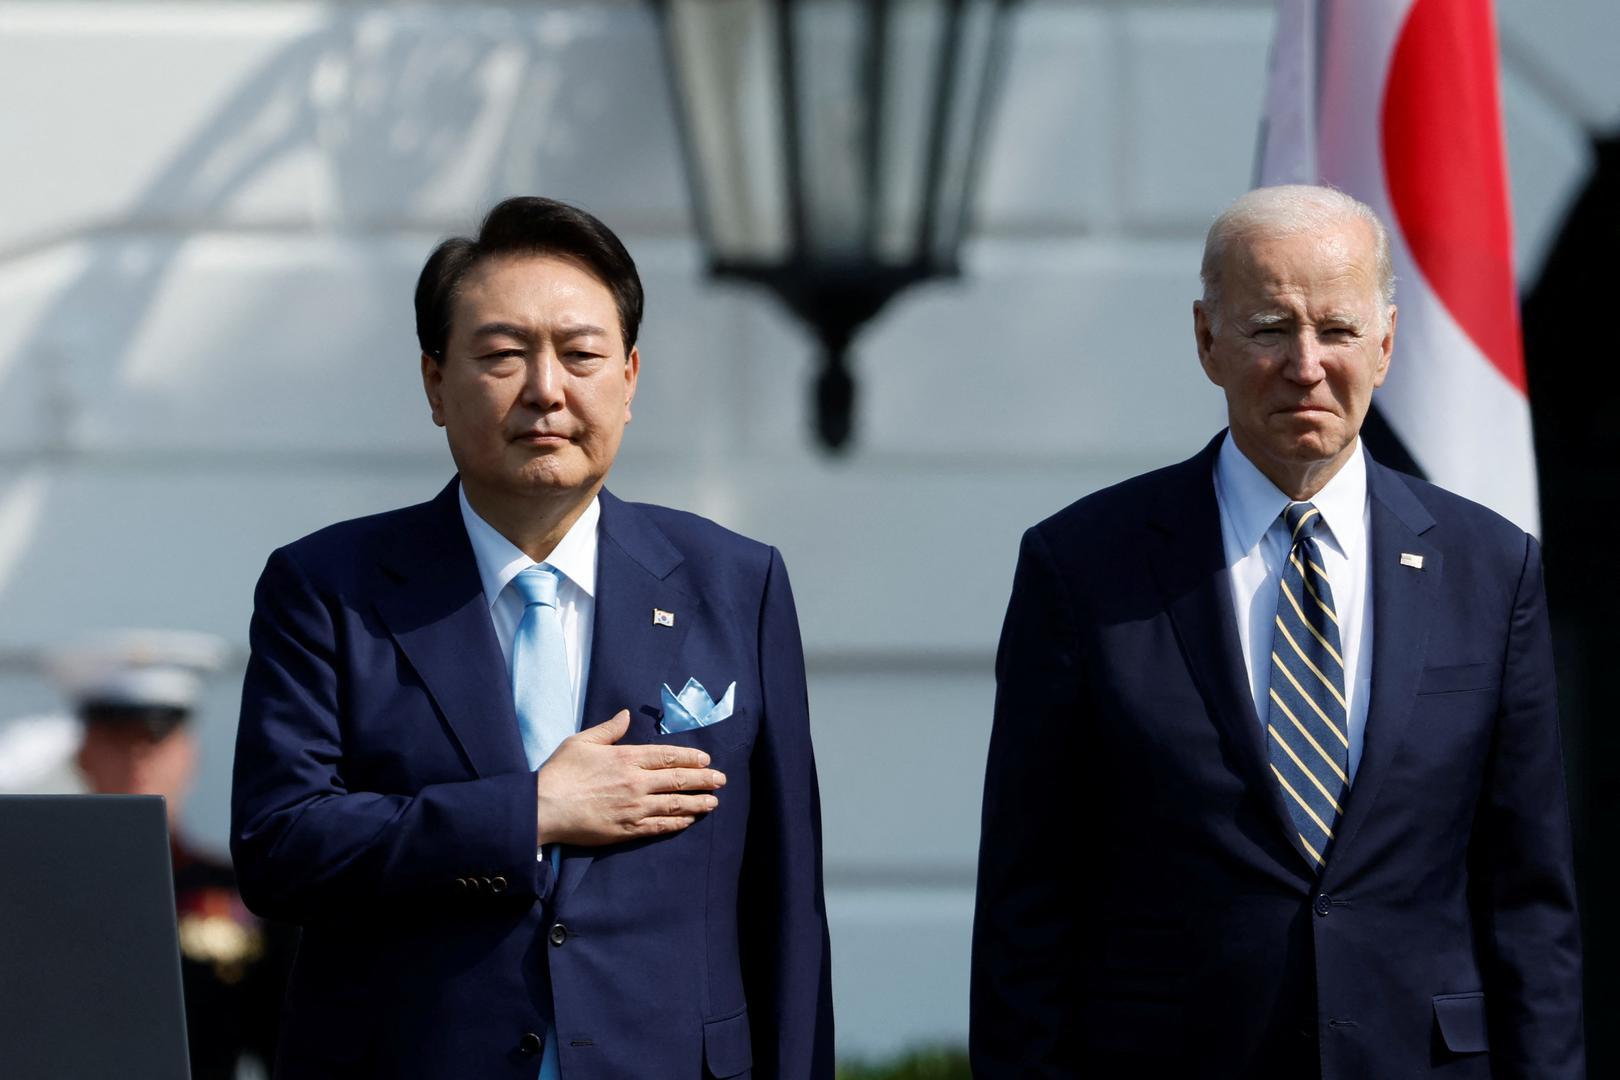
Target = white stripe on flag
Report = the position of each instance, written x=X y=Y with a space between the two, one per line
x=1465 y=424
x=1288 y=127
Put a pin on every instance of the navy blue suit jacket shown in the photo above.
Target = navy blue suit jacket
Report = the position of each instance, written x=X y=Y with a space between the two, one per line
x=1142 y=909
x=381 y=800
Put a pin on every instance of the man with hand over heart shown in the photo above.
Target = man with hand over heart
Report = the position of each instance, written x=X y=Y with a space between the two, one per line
x=513 y=848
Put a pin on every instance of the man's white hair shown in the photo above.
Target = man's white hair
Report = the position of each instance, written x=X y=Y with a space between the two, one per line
x=1288 y=210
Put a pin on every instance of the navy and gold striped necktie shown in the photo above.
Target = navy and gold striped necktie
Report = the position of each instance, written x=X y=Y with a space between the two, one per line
x=1307 y=730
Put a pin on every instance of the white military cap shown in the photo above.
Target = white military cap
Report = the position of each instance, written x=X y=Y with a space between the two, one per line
x=137 y=668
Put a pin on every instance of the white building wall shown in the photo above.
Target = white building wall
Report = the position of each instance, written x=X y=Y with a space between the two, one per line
x=211 y=218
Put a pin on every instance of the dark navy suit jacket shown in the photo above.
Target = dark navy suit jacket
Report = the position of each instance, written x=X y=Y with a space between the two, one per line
x=382 y=801
x=1141 y=907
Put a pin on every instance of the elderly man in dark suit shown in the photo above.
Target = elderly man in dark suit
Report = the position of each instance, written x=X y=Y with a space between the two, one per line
x=1275 y=787
x=515 y=848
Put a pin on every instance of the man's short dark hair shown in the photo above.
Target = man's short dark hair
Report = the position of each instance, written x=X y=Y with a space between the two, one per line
x=526 y=225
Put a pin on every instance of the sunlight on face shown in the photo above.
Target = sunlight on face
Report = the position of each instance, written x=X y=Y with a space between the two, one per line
x=535 y=387
x=1302 y=340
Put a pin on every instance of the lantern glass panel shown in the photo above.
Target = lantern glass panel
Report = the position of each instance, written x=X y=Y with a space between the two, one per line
x=832 y=49
x=911 y=73
x=727 y=68
x=976 y=55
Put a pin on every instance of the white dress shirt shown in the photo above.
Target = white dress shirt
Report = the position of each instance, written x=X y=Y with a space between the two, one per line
x=499 y=561
x=1256 y=543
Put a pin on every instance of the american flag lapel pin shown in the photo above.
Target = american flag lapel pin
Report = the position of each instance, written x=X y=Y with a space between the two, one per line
x=1409 y=559
x=663 y=618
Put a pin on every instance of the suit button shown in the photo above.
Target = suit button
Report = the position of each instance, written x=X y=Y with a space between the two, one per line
x=1323 y=904
x=472 y=885
x=497 y=884
x=531 y=1044
x=486 y=884
x=461 y=885
x=559 y=933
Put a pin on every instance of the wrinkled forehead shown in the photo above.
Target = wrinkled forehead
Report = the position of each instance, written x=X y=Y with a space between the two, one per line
x=1347 y=239
x=1337 y=264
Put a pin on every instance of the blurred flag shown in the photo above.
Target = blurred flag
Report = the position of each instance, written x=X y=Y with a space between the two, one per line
x=1396 y=102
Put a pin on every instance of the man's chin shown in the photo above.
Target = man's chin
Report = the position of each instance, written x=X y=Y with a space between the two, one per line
x=1297 y=448
x=553 y=477
x=1309 y=437
x=1314 y=452
x=532 y=479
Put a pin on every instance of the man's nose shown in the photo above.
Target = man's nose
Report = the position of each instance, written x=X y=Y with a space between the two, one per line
x=543 y=382
x=1305 y=358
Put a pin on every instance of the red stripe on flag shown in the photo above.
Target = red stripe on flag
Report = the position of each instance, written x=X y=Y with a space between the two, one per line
x=1447 y=173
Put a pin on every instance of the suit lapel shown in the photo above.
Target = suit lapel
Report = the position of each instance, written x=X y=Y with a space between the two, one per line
x=1189 y=563
x=438 y=615
x=1403 y=596
x=629 y=651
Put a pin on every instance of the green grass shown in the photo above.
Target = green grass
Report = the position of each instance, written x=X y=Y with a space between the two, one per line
x=937 y=1064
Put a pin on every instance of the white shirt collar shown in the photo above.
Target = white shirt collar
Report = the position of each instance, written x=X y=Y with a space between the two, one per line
x=1253 y=503
x=499 y=560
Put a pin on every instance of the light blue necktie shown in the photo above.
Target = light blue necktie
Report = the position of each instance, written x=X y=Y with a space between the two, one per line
x=542 y=693
x=542 y=690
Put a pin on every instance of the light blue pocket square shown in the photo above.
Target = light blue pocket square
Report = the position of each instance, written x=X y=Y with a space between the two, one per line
x=693 y=707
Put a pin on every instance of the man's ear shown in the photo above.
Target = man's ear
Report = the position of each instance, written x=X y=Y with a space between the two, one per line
x=1204 y=338
x=432 y=381
x=1386 y=348
x=632 y=372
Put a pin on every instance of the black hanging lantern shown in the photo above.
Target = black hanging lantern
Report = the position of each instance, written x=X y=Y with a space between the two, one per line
x=831 y=147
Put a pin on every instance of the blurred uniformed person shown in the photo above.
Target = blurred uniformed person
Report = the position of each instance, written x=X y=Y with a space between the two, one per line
x=132 y=695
